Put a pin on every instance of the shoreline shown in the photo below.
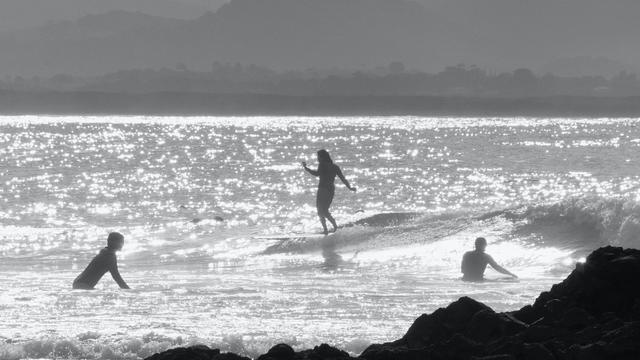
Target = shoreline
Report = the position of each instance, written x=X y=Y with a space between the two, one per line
x=593 y=314
x=209 y=104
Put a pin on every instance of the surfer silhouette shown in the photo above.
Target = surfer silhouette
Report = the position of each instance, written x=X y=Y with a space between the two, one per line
x=475 y=262
x=101 y=263
x=327 y=172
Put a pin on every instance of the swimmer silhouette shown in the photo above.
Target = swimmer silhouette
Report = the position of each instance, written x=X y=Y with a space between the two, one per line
x=103 y=262
x=475 y=262
x=327 y=172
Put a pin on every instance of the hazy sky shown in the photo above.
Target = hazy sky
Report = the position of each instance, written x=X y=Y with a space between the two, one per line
x=16 y=14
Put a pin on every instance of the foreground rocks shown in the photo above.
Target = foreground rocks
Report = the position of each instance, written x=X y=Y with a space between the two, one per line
x=593 y=314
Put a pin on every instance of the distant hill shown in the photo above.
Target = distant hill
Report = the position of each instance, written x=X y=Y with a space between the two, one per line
x=277 y=33
x=496 y=35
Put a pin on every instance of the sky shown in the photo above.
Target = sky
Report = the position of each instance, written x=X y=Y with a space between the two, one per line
x=20 y=14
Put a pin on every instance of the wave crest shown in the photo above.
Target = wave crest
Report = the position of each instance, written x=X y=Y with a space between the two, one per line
x=605 y=221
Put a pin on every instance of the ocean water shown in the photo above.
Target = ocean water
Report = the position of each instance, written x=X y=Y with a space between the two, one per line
x=214 y=212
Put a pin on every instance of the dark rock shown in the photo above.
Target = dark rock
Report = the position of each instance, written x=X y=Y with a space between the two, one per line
x=623 y=340
x=538 y=333
x=391 y=352
x=554 y=307
x=442 y=323
x=199 y=352
x=612 y=325
x=588 y=352
x=587 y=335
x=230 y=356
x=605 y=283
x=486 y=325
x=576 y=318
x=558 y=349
x=506 y=346
x=279 y=352
x=323 y=352
x=527 y=314
x=495 y=357
x=458 y=347
x=537 y=352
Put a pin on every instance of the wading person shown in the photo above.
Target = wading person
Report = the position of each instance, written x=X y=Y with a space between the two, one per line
x=475 y=262
x=101 y=263
x=327 y=172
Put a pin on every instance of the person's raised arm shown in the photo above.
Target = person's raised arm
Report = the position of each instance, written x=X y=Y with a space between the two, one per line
x=499 y=268
x=344 y=180
x=115 y=274
x=312 y=172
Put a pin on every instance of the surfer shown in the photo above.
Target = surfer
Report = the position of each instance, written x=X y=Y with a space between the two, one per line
x=327 y=172
x=101 y=263
x=475 y=262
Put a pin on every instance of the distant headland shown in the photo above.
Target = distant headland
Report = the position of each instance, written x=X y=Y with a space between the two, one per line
x=203 y=104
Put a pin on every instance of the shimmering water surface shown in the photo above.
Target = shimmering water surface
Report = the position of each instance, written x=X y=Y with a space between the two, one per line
x=543 y=191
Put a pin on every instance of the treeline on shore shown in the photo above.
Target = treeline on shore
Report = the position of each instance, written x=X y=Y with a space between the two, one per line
x=391 y=80
x=198 y=103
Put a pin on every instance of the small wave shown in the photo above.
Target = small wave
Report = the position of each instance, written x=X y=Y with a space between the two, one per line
x=584 y=222
x=377 y=231
x=93 y=345
x=575 y=224
x=89 y=346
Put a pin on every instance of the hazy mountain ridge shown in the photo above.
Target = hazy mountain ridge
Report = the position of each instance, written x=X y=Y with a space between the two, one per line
x=275 y=33
x=497 y=35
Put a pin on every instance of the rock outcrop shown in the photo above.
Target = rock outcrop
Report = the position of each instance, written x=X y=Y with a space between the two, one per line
x=593 y=314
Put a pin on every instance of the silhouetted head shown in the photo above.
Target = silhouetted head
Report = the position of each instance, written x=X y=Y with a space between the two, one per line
x=115 y=241
x=481 y=244
x=323 y=156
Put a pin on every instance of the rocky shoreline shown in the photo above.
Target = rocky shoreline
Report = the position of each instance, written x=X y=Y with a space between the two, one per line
x=593 y=314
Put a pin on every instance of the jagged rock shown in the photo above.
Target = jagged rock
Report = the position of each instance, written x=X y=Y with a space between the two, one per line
x=537 y=352
x=495 y=357
x=323 y=352
x=392 y=352
x=576 y=318
x=279 y=352
x=442 y=323
x=605 y=283
x=538 y=333
x=198 y=352
x=486 y=325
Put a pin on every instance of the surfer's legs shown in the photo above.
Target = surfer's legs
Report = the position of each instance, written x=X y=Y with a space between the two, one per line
x=323 y=201
x=81 y=286
x=332 y=221
x=323 y=221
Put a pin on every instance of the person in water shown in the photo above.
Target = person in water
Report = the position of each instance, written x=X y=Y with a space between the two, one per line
x=475 y=262
x=103 y=262
x=327 y=172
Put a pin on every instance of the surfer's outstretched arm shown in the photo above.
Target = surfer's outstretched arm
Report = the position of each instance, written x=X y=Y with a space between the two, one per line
x=499 y=268
x=115 y=274
x=312 y=172
x=344 y=180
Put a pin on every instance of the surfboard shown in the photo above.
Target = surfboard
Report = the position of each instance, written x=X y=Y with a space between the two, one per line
x=292 y=236
x=294 y=243
x=493 y=280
